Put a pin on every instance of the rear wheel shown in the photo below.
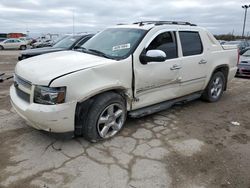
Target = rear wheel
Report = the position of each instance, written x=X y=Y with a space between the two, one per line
x=215 y=88
x=23 y=47
x=105 y=117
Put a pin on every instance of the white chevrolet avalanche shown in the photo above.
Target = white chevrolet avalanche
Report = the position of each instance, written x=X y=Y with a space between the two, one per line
x=133 y=70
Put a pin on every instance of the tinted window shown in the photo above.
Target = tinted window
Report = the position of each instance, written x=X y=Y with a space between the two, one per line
x=67 y=42
x=191 y=43
x=8 y=41
x=165 y=42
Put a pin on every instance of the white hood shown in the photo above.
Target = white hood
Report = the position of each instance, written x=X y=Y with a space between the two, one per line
x=42 y=69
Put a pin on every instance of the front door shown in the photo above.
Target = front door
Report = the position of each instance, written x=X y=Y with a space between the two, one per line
x=8 y=44
x=156 y=82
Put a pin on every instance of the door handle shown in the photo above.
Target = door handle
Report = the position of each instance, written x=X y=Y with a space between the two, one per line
x=203 y=61
x=175 y=67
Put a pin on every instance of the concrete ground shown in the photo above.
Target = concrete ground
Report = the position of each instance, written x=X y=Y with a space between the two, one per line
x=196 y=145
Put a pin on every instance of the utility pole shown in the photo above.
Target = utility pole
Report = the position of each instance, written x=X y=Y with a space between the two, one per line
x=244 y=25
x=73 y=21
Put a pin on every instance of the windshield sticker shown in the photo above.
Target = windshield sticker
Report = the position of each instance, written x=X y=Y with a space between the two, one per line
x=121 y=47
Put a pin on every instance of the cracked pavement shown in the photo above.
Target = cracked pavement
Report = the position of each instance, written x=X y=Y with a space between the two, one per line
x=190 y=145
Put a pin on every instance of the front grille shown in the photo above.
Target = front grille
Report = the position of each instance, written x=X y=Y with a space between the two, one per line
x=245 y=71
x=22 y=82
x=24 y=96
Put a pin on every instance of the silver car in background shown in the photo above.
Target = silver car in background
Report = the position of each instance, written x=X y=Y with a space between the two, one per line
x=13 y=44
x=244 y=65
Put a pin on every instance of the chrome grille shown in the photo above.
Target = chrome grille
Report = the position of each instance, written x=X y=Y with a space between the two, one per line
x=24 y=91
x=22 y=82
x=24 y=96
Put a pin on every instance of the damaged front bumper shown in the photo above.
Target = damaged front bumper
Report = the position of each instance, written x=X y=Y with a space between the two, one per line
x=52 y=118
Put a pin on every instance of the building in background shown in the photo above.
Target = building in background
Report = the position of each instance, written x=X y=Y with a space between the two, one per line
x=3 y=35
x=15 y=35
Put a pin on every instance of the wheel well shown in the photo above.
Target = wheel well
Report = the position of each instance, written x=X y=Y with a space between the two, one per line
x=84 y=106
x=225 y=70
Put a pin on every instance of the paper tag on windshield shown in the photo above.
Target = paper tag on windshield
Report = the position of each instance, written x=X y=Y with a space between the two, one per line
x=121 y=47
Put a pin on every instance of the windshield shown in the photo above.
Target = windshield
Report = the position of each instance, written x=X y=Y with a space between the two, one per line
x=66 y=42
x=247 y=53
x=116 y=43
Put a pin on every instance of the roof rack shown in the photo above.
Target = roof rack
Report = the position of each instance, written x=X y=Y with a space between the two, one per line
x=164 y=23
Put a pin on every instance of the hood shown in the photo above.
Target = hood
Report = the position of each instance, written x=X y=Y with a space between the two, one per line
x=42 y=69
x=38 y=51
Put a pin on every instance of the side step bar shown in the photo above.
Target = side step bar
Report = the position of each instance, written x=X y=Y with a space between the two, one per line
x=163 y=105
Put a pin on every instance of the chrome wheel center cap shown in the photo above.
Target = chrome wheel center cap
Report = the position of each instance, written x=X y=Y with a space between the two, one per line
x=111 y=118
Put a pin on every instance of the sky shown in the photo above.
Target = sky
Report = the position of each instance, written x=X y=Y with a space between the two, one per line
x=56 y=16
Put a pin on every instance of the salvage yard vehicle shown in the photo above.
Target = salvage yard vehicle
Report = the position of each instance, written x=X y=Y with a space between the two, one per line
x=133 y=70
x=13 y=44
x=43 y=43
x=244 y=65
x=67 y=43
x=241 y=44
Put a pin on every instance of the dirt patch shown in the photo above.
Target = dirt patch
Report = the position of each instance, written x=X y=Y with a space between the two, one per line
x=241 y=138
x=219 y=164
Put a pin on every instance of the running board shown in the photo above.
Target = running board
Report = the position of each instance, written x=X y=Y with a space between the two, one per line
x=163 y=105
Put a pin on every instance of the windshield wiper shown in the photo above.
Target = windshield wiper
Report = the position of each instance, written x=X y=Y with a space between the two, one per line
x=100 y=53
x=93 y=51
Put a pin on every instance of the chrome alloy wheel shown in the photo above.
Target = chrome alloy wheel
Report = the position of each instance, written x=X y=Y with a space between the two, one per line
x=111 y=120
x=217 y=87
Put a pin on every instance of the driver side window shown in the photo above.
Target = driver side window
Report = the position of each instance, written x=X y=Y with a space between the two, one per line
x=167 y=43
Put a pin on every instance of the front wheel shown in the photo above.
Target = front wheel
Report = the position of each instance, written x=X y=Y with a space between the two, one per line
x=1 y=47
x=105 y=118
x=215 y=88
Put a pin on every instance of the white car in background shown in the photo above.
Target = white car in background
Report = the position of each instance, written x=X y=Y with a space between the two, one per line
x=13 y=44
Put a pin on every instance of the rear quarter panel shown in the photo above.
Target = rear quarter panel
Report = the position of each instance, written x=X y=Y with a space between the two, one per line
x=219 y=56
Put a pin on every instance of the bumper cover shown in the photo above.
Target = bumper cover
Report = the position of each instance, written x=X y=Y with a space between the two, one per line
x=52 y=118
x=243 y=71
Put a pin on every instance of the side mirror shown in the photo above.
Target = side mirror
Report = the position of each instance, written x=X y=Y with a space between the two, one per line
x=153 y=56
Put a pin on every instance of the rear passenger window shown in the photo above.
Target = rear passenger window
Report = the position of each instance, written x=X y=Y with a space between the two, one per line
x=191 y=43
x=167 y=43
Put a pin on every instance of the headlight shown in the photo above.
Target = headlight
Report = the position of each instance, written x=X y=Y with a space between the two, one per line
x=49 y=95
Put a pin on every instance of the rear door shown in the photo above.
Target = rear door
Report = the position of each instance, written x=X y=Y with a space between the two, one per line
x=193 y=62
x=16 y=44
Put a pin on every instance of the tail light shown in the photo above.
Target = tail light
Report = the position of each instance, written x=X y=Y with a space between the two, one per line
x=238 y=61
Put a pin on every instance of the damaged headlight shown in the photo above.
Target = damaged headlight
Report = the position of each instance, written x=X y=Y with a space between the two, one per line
x=49 y=95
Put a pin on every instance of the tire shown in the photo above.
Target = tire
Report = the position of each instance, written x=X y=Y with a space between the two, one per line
x=23 y=47
x=1 y=48
x=215 y=88
x=101 y=121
